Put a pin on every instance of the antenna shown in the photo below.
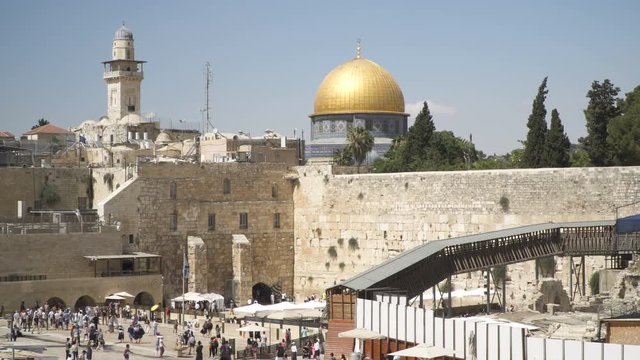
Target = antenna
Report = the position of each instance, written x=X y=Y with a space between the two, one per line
x=207 y=108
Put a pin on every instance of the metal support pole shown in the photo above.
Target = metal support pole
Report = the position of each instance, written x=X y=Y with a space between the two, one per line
x=449 y=304
x=584 y=280
x=504 y=290
x=434 y=297
x=488 y=290
x=571 y=277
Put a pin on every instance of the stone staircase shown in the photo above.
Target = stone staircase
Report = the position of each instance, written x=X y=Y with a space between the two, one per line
x=335 y=344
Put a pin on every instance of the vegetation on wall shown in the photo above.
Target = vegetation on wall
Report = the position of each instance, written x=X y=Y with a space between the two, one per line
x=594 y=283
x=353 y=244
x=49 y=194
x=108 y=179
x=504 y=203
x=332 y=252
x=546 y=266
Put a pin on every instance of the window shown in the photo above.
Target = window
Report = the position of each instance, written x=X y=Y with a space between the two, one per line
x=226 y=186
x=173 y=222
x=131 y=238
x=244 y=221
x=211 y=225
x=276 y=221
x=173 y=191
x=274 y=191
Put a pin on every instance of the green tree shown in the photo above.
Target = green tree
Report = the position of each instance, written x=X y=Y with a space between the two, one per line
x=41 y=122
x=419 y=138
x=600 y=111
x=392 y=160
x=624 y=131
x=448 y=152
x=557 y=144
x=579 y=157
x=343 y=157
x=360 y=143
x=534 y=145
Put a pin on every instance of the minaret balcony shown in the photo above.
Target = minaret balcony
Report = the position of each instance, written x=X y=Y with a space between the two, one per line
x=117 y=74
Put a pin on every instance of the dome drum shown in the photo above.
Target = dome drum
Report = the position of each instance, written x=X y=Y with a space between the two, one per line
x=337 y=126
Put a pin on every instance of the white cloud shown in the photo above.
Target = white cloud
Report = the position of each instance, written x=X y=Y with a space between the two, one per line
x=436 y=108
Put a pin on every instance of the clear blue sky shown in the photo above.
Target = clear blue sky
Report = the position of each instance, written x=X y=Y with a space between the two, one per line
x=478 y=62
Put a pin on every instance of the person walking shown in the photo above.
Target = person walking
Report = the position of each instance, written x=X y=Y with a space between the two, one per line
x=199 y=350
x=127 y=352
x=294 y=351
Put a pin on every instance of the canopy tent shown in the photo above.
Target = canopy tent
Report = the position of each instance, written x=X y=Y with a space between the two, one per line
x=249 y=310
x=114 y=297
x=274 y=308
x=195 y=296
x=424 y=351
x=363 y=334
x=124 y=294
x=628 y=224
x=295 y=314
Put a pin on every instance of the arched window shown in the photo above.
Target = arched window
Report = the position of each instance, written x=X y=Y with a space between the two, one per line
x=226 y=186
x=274 y=191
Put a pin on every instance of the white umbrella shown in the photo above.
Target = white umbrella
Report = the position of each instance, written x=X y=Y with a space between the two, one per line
x=114 y=297
x=424 y=351
x=364 y=334
x=124 y=294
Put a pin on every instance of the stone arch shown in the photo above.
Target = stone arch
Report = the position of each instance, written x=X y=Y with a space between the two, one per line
x=261 y=292
x=143 y=298
x=84 y=300
x=56 y=301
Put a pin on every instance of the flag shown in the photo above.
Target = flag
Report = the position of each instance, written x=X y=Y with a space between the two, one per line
x=185 y=266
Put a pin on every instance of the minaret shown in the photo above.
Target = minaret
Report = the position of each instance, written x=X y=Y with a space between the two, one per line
x=123 y=75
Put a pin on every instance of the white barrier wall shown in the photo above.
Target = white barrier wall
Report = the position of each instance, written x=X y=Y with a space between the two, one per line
x=478 y=338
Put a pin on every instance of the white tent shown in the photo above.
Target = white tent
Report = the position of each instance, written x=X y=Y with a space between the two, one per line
x=114 y=297
x=195 y=296
x=363 y=334
x=249 y=310
x=124 y=294
x=424 y=351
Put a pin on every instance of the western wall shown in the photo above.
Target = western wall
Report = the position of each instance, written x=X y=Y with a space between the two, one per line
x=345 y=224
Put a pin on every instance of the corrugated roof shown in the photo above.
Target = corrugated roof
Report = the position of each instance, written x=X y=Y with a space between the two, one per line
x=368 y=278
x=6 y=134
x=47 y=129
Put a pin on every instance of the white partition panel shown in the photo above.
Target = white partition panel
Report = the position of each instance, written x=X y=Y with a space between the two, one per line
x=402 y=323
x=535 y=348
x=359 y=313
x=593 y=351
x=429 y=327
x=368 y=311
x=614 y=352
x=631 y=352
x=504 y=334
x=470 y=336
x=460 y=340
x=493 y=341
x=482 y=337
x=384 y=319
x=393 y=321
x=420 y=326
x=411 y=324
x=554 y=349
x=375 y=325
x=449 y=334
x=573 y=350
x=517 y=344
x=439 y=331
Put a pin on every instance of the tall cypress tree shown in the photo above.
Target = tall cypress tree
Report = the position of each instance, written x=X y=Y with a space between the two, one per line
x=557 y=144
x=601 y=109
x=419 y=137
x=534 y=146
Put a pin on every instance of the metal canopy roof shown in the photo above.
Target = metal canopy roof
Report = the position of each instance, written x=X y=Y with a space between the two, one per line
x=392 y=267
x=135 y=255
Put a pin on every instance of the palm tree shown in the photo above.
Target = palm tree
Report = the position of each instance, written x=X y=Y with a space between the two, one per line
x=360 y=142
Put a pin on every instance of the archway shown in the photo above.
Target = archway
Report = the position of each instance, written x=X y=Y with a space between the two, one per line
x=143 y=298
x=262 y=293
x=56 y=301
x=84 y=301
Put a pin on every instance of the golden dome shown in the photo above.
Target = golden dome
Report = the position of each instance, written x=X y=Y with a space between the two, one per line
x=358 y=86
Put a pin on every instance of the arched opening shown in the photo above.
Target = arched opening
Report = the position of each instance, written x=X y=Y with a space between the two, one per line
x=143 y=298
x=84 y=301
x=56 y=301
x=262 y=293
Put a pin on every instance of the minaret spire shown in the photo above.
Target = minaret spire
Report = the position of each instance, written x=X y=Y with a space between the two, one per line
x=358 y=49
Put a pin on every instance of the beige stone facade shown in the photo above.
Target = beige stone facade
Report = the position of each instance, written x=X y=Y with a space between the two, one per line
x=166 y=203
x=344 y=224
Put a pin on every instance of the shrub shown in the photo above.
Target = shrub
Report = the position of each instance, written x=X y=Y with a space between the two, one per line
x=341 y=266
x=499 y=273
x=353 y=244
x=504 y=203
x=49 y=194
x=340 y=241
x=332 y=252
x=546 y=266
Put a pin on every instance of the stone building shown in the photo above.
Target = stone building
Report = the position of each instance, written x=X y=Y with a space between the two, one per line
x=164 y=204
x=358 y=93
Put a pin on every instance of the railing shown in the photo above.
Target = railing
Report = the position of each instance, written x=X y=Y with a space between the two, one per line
x=48 y=228
x=113 y=74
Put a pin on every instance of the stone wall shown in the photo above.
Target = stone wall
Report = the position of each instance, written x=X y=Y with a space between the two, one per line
x=259 y=190
x=345 y=224
x=27 y=183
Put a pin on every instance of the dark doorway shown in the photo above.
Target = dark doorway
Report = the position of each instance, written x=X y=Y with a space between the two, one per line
x=84 y=301
x=262 y=293
x=143 y=298
x=56 y=301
